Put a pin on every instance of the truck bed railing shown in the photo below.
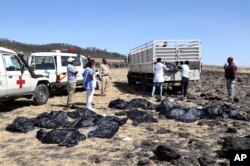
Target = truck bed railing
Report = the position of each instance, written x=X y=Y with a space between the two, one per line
x=166 y=43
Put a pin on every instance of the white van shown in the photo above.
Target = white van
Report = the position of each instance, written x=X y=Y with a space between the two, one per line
x=18 y=80
x=54 y=66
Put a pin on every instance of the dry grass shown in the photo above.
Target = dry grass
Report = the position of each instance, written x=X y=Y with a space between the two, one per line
x=25 y=149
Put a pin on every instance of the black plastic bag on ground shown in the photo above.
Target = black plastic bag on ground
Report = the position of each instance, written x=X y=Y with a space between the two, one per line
x=80 y=122
x=118 y=104
x=140 y=116
x=106 y=127
x=113 y=118
x=164 y=106
x=213 y=112
x=62 y=137
x=175 y=113
x=134 y=103
x=84 y=113
x=51 y=120
x=140 y=103
x=165 y=153
x=183 y=115
x=225 y=111
x=191 y=115
x=21 y=124
x=233 y=113
x=233 y=144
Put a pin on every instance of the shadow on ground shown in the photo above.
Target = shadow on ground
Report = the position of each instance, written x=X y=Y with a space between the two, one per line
x=124 y=87
x=14 y=105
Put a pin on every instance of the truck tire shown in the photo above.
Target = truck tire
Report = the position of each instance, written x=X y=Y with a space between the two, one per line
x=10 y=101
x=145 y=86
x=130 y=79
x=144 y=82
x=41 y=94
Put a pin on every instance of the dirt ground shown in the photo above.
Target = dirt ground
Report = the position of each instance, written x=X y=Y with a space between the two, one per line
x=123 y=149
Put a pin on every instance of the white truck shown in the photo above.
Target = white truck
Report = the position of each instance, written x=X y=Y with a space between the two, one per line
x=172 y=52
x=18 y=80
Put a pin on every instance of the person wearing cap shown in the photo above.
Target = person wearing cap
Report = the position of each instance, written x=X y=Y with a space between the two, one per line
x=158 y=80
x=89 y=82
x=230 y=75
x=71 y=85
x=104 y=76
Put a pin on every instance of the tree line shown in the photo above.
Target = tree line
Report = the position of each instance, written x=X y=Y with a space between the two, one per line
x=92 y=52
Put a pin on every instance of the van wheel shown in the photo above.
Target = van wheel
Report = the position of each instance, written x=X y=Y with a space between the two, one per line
x=41 y=94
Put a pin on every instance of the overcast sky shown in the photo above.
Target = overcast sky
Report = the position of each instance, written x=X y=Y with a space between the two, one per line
x=223 y=26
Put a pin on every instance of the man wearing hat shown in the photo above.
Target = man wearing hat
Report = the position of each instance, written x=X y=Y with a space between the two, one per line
x=71 y=74
x=230 y=75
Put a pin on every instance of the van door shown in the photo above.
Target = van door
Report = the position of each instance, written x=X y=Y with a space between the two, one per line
x=77 y=64
x=45 y=65
x=17 y=82
x=3 y=85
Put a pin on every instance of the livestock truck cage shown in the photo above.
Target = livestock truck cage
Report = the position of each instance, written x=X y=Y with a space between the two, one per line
x=172 y=52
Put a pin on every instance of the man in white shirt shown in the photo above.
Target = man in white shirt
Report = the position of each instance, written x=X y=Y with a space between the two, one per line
x=184 y=78
x=159 y=69
x=71 y=86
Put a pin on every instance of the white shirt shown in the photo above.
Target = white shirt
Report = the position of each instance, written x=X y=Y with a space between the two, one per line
x=71 y=70
x=159 y=72
x=185 y=71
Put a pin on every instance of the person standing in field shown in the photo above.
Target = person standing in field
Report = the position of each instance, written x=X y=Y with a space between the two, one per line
x=184 y=79
x=104 y=76
x=230 y=75
x=71 y=81
x=158 y=80
x=89 y=82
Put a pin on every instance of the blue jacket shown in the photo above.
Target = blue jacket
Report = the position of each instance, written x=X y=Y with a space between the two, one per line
x=88 y=79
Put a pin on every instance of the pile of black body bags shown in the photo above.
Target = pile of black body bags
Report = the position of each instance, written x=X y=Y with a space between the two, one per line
x=179 y=113
x=65 y=132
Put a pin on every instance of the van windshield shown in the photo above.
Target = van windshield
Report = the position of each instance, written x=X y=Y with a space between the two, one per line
x=43 y=62
x=84 y=62
x=11 y=62
x=64 y=61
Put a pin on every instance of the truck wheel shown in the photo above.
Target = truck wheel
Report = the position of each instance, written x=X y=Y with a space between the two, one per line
x=130 y=82
x=41 y=94
x=10 y=101
x=145 y=87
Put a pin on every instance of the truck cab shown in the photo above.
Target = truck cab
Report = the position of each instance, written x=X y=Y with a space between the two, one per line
x=17 y=80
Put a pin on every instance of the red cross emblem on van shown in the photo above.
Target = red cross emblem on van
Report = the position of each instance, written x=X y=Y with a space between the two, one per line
x=20 y=82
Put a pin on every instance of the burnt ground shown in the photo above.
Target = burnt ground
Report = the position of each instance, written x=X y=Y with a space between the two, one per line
x=132 y=144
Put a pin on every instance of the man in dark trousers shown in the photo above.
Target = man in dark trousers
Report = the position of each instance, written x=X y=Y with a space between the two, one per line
x=230 y=75
x=184 y=78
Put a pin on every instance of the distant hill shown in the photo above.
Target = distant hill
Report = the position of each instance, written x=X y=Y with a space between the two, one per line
x=29 y=48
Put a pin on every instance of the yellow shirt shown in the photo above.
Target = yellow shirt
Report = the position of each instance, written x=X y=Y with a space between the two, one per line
x=104 y=70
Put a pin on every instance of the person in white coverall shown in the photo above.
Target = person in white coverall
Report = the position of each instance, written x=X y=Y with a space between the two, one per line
x=159 y=69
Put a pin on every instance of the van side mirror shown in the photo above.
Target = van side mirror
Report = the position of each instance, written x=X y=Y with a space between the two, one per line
x=32 y=67
x=22 y=69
